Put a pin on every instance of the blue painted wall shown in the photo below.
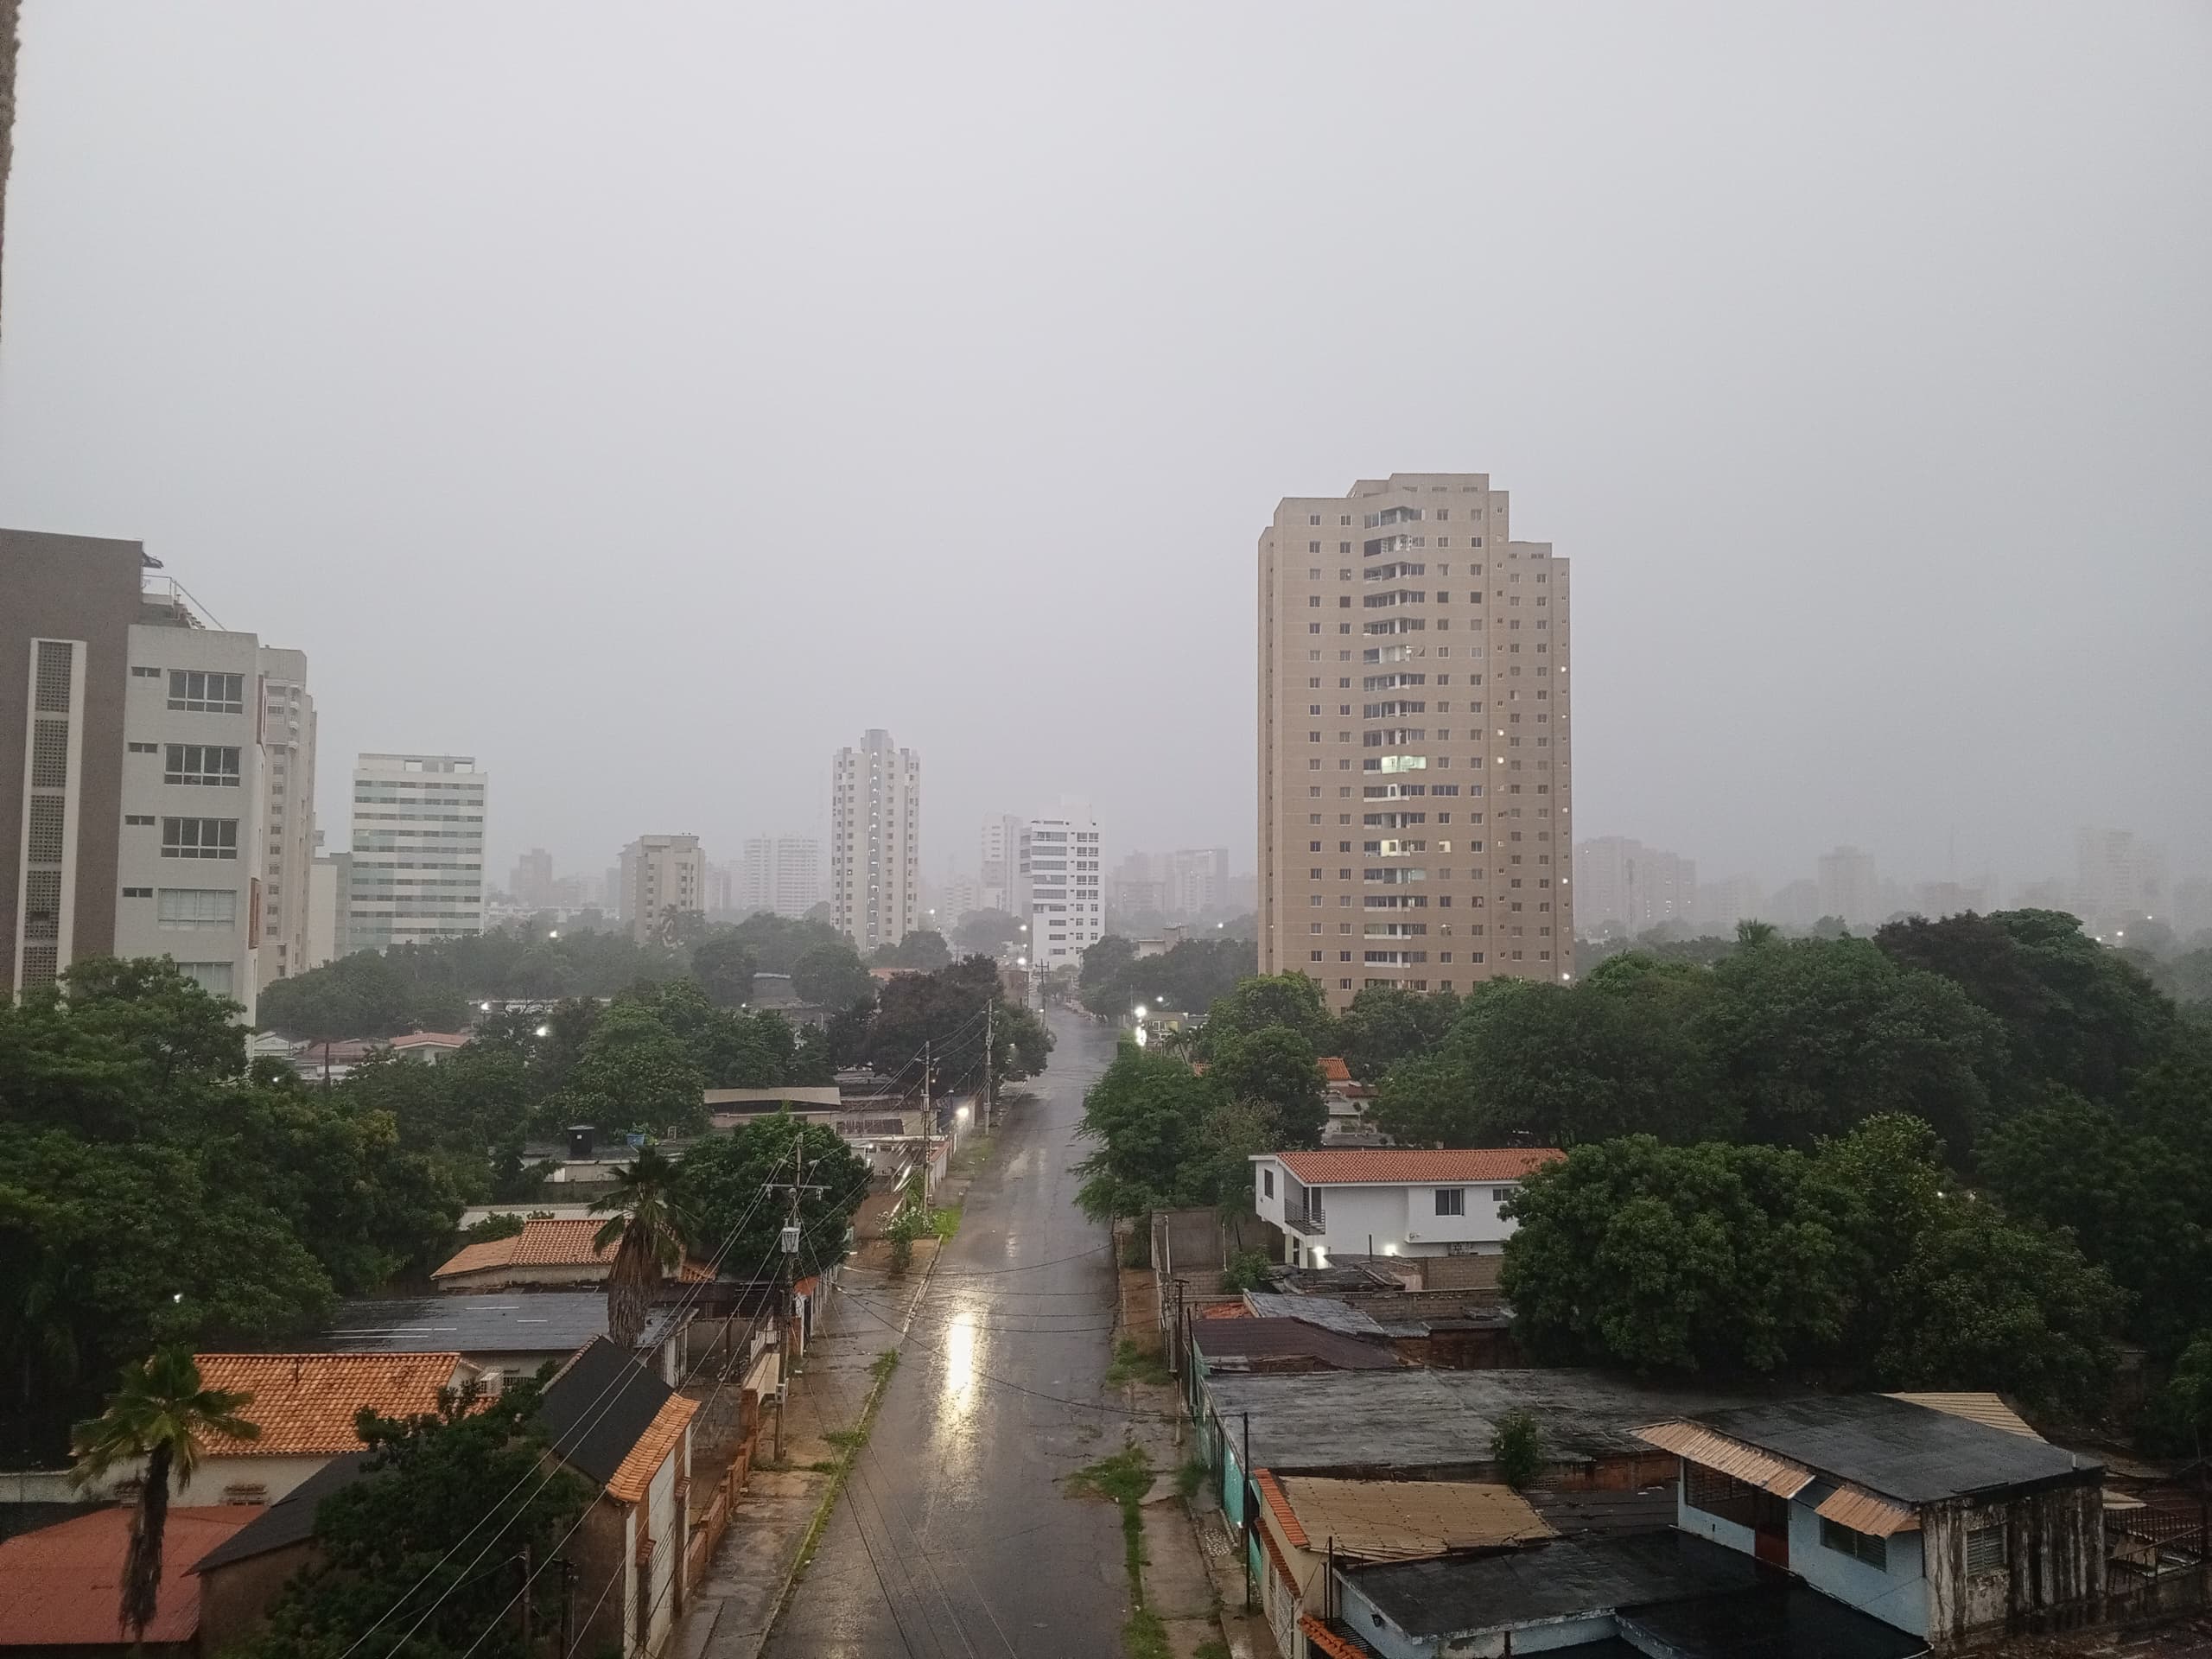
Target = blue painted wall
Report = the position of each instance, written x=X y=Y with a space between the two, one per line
x=1898 y=1596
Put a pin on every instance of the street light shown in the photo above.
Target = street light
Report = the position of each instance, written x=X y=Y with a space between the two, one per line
x=545 y=1031
x=1140 y=1010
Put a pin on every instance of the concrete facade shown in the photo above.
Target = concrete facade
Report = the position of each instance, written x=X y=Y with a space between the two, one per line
x=664 y=879
x=1062 y=873
x=1414 y=763
x=1622 y=884
x=67 y=606
x=417 y=853
x=1401 y=1218
x=875 y=819
x=190 y=865
x=779 y=874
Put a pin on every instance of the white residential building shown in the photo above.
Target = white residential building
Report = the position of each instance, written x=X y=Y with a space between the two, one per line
x=664 y=879
x=1060 y=867
x=998 y=883
x=190 y=861
x=780 y=873
x=1391 y=1201
x=2117 y=878
x=1196 y=882
x=875 y=823
x=417 y=851
x=1621 y=883
x=288 y=733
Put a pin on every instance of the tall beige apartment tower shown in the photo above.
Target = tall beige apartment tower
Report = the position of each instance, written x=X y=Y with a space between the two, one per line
x=1414 y=798
x=875 y=832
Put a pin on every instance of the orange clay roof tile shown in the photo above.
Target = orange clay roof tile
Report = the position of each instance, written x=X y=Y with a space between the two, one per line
x=1388 y=1165
x=305 y=1404
x=630 y=1483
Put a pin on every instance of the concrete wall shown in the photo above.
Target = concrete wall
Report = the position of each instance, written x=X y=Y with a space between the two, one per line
x=2055 y=1563
x=1380 y=1632
x=1896 y=1596
x=1715 y=1528
x=235 y=1598
x=1395 y=1220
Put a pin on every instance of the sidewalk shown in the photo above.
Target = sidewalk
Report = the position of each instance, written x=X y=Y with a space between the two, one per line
x=729 y=1612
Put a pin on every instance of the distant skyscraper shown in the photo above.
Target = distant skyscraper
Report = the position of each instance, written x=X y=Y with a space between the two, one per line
x=998 y=880
x=1197 y=882
x=1414 y=754
x=781 y=874
x=1620 y=883
x=287 y=734
x=531 y=883
x=418 y=850
x=875 y=818
x=2117 y=878
x=1850 y=888
x=663 y=881
x=1061 y=867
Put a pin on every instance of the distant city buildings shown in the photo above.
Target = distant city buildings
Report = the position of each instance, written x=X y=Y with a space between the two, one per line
x=1621 y=885
x=663 y=881
x=875 y=817
x=288 y=728
x=1062 y=869
x=1850 y=888
x=1192 y=883
x=417 y=853
x=998 y=883
x=531 y=884
x=1414 y=778
x=2117 y=878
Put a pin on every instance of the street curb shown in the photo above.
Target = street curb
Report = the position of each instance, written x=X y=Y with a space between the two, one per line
x=816 y=1526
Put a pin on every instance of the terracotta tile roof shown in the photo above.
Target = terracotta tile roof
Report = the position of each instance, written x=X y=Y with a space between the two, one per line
x=558 y=1242
x=1327 y=1641
x=305 y=1403
x=63 y=1581
x=806 y=1287
x=1387 y=1165
x=431 y=1039
x=630 y=1483
x=1333 y=1069
x=1286 y=1518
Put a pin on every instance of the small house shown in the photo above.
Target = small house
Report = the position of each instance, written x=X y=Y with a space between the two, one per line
x=549 y=1254
x=1391 y=1201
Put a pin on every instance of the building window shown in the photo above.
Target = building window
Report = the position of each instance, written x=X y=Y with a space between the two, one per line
x=147 y=673
x=198 y=907
x=198 y=763
x=1985 y=1549
x=1845 y=1541
x=1500 y=1194
x=200 y=838
x=1714 y=1493
x=202 y=693
x=1266 y=1183
x=144 y=748
x=1451 y=1200
x=136 y=820
x=137 y=893
x=213 y=978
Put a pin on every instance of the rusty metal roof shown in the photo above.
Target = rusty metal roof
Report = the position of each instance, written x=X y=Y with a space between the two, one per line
x=1864 y=1511
x=1730 y=1458
x=1977 y=1406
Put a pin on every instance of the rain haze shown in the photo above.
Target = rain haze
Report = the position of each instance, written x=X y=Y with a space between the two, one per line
x=647 y=400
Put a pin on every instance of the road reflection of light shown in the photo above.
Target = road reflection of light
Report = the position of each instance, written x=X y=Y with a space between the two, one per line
x=960 y=1360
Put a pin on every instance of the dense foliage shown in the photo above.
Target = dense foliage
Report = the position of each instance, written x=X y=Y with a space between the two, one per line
x=731 y=1216
x=411 y=1533
x=1188 y=979
x=156 y=1188
x=942 y=1015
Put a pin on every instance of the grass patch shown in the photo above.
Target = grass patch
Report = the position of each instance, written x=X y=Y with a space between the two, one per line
x=1143 y=1637
x=1125 y=1477
x=1212 y=1648
x=947 y=1223
x=847 y=1439
x=1191 y=1476
x=883 y=1364
x=1132 y=1364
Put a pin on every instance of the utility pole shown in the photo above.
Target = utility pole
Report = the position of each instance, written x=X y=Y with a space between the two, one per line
x=785 y=1279
x=567 y=1607
x=929 y=1111
x=526 y=1599
x=990 y=1058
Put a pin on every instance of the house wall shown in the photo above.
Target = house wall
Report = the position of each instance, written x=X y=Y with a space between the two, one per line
x=235 y=1598
x=664 y=1507
x=1386 y=1220
x=2055 y=1567
x=1381 y=1633
x=605 y=1578
x=1897 y=1596
x=1731 y=1534
x=277 y=1476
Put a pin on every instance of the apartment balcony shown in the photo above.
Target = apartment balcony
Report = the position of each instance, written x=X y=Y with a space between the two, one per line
x=1298 y=1222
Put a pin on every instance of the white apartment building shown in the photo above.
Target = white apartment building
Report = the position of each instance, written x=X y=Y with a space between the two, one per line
x=1060 y=867
x=998 y=884
x=1197 y=882
x=2117 y=878
x=1622 y=884
x=876 y=826
x=288 y=732
x=664 y=880
x=1391 y=1201
x=190 y=861
x=780 y=874
x=1851 y=887
x=417 y=851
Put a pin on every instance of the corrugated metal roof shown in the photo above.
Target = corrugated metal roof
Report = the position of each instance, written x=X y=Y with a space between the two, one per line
x=63 y=1581
x=1864 y=1511
x=1408 y=1519
x=1388 y=1166
x=1730 y=1458
x=1975 y=1407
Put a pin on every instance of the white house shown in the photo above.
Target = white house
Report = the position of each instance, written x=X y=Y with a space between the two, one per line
x=1391 y=1201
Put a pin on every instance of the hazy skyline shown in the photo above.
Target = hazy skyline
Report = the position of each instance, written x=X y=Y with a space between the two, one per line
x=648 y=403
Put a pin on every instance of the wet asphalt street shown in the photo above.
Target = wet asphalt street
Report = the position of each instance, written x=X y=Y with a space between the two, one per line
x=954 y=1539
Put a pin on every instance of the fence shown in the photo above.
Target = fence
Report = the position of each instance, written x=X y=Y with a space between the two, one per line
x=2159 y=1556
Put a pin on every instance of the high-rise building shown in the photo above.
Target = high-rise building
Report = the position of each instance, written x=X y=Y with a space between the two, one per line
x=998 y=876
x=1415 y=768
x=781 y=874
x=330 y=888
x=1720 y=904
x=531 y=883
x=2116 y=878
x=1197 y=882
x=1850 y=888
x=67 y=606
x=1623 y=885
x=875 y=823
x=1061 y=868
x=417 y=851
x=287 y=740
x=663 y=881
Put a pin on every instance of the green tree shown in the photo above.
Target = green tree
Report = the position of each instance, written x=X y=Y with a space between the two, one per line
x=1104 y=959
x=985 y=932
x=832 y=975
x=1515 y=1448
x=722 y=1186
x=441 y=1497
x=648 y=1230
x=635 y=1074
x=1430 y=1102
x=159 y=1414
x=1276 y=1066
x=1385 y=1024
x=724 y=968
x=1290 y=1000
x=1147 y=1112
x=923 y=951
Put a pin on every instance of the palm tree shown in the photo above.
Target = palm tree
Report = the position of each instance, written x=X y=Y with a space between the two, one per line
x=650 y=1229
x=159 y=1414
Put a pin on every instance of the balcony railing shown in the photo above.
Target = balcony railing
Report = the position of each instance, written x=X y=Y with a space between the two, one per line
x=1298 y=1222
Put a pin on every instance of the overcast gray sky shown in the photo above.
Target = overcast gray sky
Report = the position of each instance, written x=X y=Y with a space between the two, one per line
x=648 y=399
